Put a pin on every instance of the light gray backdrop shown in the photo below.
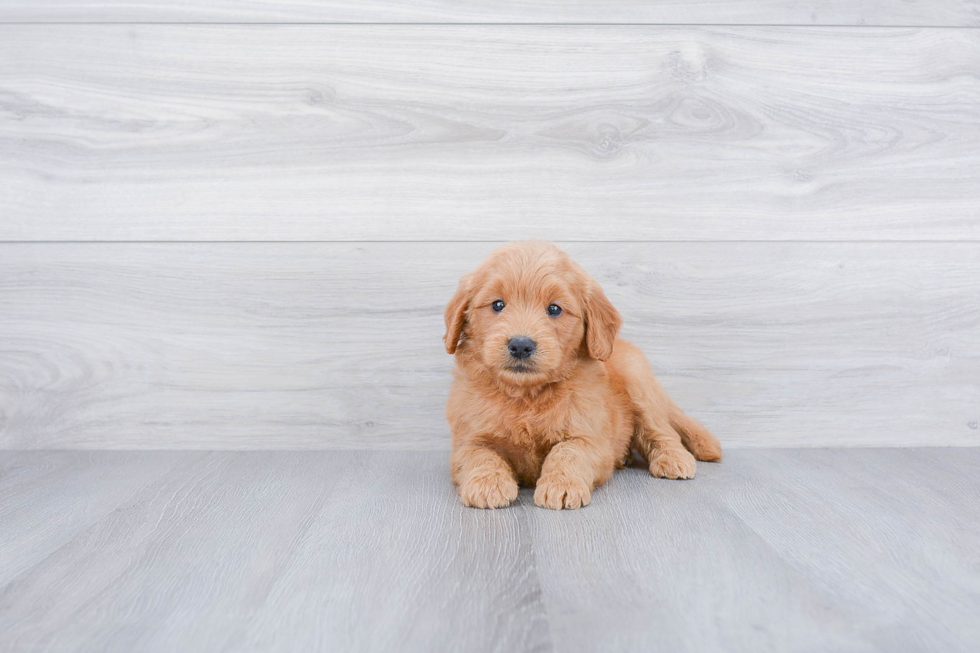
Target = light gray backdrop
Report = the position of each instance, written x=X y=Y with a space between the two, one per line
x=220 y=230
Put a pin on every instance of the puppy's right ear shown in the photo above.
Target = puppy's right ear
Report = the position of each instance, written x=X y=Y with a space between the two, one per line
x=456 y=313
x=602 y=323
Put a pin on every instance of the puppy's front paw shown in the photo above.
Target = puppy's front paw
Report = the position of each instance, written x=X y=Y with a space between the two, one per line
x=491 y=490
x=673 y=463
x=558 y=493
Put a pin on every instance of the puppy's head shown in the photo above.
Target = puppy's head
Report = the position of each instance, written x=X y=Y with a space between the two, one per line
x=528 y=313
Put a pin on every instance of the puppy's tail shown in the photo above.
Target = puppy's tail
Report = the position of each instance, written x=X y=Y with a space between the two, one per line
x=696 y=438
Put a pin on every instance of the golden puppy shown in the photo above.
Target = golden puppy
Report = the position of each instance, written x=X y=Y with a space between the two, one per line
x=545 y=394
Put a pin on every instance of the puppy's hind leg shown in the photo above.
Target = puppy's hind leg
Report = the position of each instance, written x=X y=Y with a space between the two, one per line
x=695 y=436
x=654 y=434
x=661 y=445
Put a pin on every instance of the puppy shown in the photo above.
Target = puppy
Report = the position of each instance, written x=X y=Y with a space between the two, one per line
x=545 y=395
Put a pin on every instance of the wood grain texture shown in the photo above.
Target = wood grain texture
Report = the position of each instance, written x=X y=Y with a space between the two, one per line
x=768 y=12
x=182 y=132
x=843 y=550
x=276 y=551
x=45 y=501
x=338 y=345
x=773 y=550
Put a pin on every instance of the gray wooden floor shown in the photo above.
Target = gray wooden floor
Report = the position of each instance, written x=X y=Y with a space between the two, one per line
x=773 y=550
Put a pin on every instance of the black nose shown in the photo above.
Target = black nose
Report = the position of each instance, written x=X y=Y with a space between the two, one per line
x=521 y=347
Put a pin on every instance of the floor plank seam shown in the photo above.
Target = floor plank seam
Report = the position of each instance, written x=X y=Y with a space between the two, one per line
x=532 y=572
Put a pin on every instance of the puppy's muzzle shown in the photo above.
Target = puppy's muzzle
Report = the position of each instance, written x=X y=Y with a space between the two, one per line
x=521 y=347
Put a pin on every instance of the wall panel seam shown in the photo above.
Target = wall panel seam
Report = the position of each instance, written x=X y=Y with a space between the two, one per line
x=489 y=24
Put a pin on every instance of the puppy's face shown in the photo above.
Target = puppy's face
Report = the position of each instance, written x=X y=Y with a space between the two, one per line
x=528 y=313
x=525 y=322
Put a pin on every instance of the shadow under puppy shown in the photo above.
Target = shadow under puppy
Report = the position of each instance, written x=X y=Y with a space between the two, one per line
x=545 y=394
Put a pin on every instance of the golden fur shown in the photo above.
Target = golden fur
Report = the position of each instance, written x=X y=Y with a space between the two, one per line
x=563 y=419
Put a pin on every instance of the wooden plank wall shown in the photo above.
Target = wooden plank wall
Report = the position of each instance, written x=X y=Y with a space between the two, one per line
x=946 y=13
x=237 y=235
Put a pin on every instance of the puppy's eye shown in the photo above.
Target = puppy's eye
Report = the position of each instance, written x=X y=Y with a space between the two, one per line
x=497 y=306
x=554 y=310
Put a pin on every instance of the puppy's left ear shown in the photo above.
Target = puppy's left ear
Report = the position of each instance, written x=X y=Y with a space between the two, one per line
x=602 y=322
x=456 y=313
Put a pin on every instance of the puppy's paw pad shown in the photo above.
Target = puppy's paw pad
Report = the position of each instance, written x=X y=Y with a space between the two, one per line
x=558 y=493
x=489 y=491
x=673 y=463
